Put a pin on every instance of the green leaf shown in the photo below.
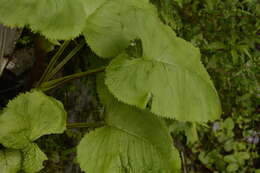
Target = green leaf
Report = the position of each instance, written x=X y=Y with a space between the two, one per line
x=32 y=158
x=231 y=158
x=58 y=19
x=235 y=56
x=192 y=134
x=257 y=171
x=30 y=116
x=228 y=124
x=169 y=74
x=110 y=29
x=172 y=91
x=133 y=141
x=188 y=128
x=232 y=167
x=10 y=161
x=215 y=46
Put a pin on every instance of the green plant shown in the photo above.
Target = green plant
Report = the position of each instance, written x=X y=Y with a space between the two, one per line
x=25 y=119
x=152 y=75
x=227 y=33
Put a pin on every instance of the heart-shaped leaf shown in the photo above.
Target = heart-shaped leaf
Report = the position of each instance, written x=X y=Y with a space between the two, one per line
x=133 y=141
x=30 y=116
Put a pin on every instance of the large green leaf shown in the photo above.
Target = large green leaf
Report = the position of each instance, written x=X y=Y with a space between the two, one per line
x=168 y=75
x=30 y=116
x=133 y=141
x=10 y=161
x=168 y=89
x=25 y=119
x=56 y=19
x=113 y=25
x=32 y=158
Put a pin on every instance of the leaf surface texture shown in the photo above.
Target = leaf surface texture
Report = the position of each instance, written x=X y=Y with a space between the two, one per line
x=25 y=119
x=30 y=116
x=133 y=141
x=33 y=158
x=168 y=75
x=10 y=161
x=55 y=19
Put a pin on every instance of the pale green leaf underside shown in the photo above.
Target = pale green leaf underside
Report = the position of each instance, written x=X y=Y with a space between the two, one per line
x=133 y=141
x=10 y=161
x=169 y=73
x=55 y=19
x=33 y=158
x=30 y=116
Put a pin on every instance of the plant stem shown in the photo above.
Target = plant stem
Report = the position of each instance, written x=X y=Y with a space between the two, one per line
x=84 y=125
x=64 y=61
x=52 y=63
x=183 y=162
x=57 y=82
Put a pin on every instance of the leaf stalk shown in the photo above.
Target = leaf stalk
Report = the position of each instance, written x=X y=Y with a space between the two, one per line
x=85 y=125
x=45 y=86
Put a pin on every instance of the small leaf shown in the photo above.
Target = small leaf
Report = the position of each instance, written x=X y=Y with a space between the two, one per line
x=231 y=158
x=234 y=56
x=215 y=46
x=228 y=124
x=188 y=128
x=32 y=158
x=10 y=161
x=232 y=167
x=192 y=135
x=30 y=116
